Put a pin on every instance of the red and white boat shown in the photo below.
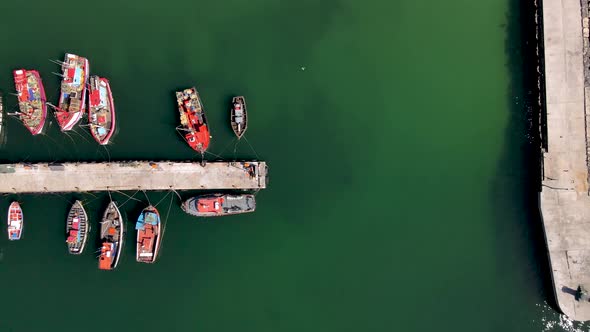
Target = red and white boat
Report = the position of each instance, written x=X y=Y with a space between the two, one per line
x=31 y=99
x=192 y=119
x=219 y=205
x=72 y=99
x=101 y=110
x=15 y=221
x=239 y=116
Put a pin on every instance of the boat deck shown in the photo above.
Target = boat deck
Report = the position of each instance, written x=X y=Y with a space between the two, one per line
x=131 y=175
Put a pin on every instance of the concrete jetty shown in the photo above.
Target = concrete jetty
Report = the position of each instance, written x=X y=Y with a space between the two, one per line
x=131 y=175
x=564 y=197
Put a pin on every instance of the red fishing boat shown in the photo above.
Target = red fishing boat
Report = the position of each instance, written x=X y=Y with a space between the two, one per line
x=72 y=99
x=219 y=205
x=101 y=110
x=193 y=122
x=15 y=221
x=31 y=99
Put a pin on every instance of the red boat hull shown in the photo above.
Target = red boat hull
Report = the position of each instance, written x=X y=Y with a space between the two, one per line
x=31 y=99
x=73 y=91
x=101 y=101
x=193 y=120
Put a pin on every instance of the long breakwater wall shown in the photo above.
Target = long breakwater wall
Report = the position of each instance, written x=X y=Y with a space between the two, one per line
x=131 y=175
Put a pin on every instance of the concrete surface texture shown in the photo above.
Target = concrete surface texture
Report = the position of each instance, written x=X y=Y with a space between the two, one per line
x=565 y=204
x=71 y=177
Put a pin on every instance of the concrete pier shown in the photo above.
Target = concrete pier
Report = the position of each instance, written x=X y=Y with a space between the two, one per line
x=133 y=175
x=564 y=199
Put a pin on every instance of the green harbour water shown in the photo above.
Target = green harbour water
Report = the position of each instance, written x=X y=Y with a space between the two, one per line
x=403 y=170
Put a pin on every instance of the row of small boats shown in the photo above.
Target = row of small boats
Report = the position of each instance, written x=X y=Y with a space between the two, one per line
x=193 y=121
x=148 y=225
x=76 y=84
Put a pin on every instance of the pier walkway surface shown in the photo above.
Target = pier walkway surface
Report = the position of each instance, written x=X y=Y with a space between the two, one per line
x=564 y=198
x=131 y=175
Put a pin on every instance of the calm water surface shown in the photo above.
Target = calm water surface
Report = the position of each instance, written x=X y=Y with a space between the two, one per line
x=402 y=184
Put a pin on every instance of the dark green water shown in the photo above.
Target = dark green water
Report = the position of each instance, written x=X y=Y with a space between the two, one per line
x=403 y=171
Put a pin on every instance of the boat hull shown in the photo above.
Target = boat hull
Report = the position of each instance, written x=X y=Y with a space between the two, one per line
x=72 y=99
x=193 y=122
x=15 y=221
x=239 y=116
x=148 y=228
x=77 y=228
x=31 y=99
x=101 y=106
x=112 y=236
x=219 y=205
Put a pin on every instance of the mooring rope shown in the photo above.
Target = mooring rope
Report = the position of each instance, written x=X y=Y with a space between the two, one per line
x=176 y=192
x=227 y=146
x=60 y=196
x=166 y=221
x=236 y=149
x=108 y=153
x=251 y=147
x=213 y=154
x=129 y=197
x=146 y=197
x=82 y=136
x=93 y=200
x=160 y=201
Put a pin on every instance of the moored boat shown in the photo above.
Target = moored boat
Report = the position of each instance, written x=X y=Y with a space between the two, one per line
x=72 y=99
x=111 y=235
x=77 y=228
x=101 y=110
x=15 y=221
x=193 y=122
x=31 y=99
x=148 y=235
x=239 y=116
x=219 y=205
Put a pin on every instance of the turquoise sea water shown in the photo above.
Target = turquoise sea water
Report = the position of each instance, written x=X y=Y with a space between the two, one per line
x=402 y=167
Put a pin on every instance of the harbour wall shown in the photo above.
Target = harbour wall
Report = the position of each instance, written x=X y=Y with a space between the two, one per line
x=564 y=196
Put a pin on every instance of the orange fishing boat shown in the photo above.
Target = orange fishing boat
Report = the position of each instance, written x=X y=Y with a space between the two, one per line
x=148 y=235
x=111 y=235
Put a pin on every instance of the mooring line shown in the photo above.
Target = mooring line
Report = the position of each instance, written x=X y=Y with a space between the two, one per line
x=251 y=147
x=92 y=200
x=146 y=197
x=216 y=155
x=227 y=146
x=129 y=197
x=176 y=192
x=165 y=223
x=58 y=195
x=160 y=201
